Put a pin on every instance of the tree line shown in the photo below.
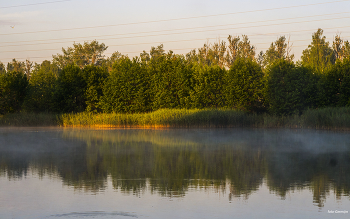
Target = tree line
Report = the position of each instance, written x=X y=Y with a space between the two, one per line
x=215 y=76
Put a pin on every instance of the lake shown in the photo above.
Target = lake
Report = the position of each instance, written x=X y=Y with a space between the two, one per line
x=175 y=173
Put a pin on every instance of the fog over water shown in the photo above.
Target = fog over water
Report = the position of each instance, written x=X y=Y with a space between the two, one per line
x=206 y=173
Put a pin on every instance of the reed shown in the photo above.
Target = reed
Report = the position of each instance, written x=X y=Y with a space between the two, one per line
x=327 y=118
x=163 y=118
x=337 y=118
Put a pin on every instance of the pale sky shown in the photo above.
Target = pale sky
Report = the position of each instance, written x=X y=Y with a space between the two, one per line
x=41 y=30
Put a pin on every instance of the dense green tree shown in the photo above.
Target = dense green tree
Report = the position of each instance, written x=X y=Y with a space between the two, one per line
x=94 y=77
x=81 y=54
x=127 y=88
x=319 y=56
x=244 y=85
x=171 y=81
x=13 y=87
x=41 y=88
x=290 y=89
x=335 y=85
x=208 y=87
x=69 y=95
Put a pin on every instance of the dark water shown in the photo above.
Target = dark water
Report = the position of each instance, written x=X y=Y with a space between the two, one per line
x=223 y=173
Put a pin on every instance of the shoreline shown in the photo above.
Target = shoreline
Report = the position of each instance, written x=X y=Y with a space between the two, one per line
x=336 y=119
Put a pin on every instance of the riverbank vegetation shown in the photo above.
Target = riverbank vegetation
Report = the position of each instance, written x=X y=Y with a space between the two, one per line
x=331 y=118
x=217 y=86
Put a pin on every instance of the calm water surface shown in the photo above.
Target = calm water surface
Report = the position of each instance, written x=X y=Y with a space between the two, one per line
x=196 y=173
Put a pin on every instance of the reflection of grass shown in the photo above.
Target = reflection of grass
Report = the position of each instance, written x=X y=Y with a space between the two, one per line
x=326 y=118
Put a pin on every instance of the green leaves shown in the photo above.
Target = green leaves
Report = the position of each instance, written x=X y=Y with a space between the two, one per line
x=319 y=56
x=335 y=85
x=290 y=89
x=13 y=87
x=244 y=88
x=127 y=88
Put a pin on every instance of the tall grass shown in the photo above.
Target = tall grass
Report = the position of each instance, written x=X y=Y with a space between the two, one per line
x=207 y=118
x=326 y=118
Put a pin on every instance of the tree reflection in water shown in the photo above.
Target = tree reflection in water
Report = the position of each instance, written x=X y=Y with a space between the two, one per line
x=170 y=162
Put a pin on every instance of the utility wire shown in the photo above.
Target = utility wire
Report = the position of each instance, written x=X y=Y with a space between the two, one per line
x=175 y=19
x=198 y=31
x=171 y=50
x=40 y=3
x=165 y=30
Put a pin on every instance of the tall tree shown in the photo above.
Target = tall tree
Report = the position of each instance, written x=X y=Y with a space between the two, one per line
x=280 y=49
x=211 y=54
x=15 y=65
x=81 y=54
x=13 y=87
x=341 y=48
x=289 y=89
x=69 y=95
x=238 y=48
x=244 y=85
x=41 y=88
x=127 y=88
x=2 y=68
x=318 y=55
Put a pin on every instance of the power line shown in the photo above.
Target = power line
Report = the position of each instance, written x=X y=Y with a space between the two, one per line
x=40 y=3
x=198 y=31
x=169 y=30
x=175 y=19
x=168 y=50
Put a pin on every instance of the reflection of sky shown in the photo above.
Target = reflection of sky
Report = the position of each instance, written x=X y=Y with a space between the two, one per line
x=47 y=198
x=36 y=149
x=89 y=13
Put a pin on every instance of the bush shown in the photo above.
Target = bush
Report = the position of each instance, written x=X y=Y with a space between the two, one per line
x=290 y=89
x=13 y=88
x=244 y=86
x=127 y=88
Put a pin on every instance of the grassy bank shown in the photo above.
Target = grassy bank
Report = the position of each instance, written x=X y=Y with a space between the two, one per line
x=327 y=118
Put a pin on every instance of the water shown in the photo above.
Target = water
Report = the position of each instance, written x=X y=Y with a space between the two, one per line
x=195 y=173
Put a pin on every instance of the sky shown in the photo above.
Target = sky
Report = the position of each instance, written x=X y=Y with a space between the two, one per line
x=37 y=29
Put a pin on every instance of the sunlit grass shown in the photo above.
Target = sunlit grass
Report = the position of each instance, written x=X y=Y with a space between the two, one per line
x=164 y=118
x=326 y=118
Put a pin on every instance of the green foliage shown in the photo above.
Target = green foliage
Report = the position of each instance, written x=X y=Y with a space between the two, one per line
x=278 y=50
x=127 y=88
x=319 y=56
x=208 y=90
x=94 y=78
x=244 y=85
x=171 y=81
x=13 y=87
x=69 y=95
x=290 y=89
x=41 y=88
x=2 y=68
x=81 y=54
x=335 y=85
x=239 y=49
